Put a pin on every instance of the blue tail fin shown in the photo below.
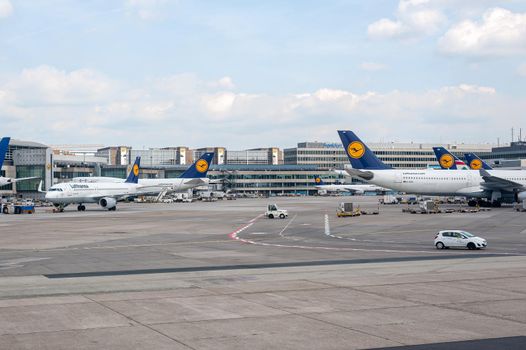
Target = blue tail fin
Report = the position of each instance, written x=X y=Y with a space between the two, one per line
x=133 y=176
x=475 y=162
x=448 y=160
x=3 y=149
x=359 y=154
x=318 y=180
x=199 y=168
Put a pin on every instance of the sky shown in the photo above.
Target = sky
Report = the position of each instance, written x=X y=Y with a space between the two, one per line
x=247 y=73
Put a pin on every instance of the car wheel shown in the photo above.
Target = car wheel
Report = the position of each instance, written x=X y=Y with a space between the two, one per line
x=440 y=245
x=282 y=216
x=471 y=246
x=270 y=216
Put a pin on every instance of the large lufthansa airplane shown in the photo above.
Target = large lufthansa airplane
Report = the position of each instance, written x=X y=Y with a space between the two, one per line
x=194 y=176
x=105 y=194
x=490 y=186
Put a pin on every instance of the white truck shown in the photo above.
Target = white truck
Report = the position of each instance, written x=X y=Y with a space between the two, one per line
x=274 y=212
x=389 y=199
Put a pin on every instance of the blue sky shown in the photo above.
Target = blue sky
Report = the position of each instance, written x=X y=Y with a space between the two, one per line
x=252 y=73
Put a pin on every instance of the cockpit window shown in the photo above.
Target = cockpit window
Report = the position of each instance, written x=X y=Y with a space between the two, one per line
x=55 y=189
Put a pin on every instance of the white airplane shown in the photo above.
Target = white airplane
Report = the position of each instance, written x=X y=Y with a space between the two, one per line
x=488 y=186
x=106 y=194
x=355 y=189
x=194 y=176
x=4 y=143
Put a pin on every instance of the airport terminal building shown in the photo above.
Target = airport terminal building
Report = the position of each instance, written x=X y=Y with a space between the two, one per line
x=262 y=170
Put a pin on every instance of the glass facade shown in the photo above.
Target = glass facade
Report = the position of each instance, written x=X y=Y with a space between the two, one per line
x=281 y=179
x=29 y=171
x=114 y=172
x=247 y=157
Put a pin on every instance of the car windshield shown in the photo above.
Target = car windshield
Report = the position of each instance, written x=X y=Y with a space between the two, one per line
x=467 y=234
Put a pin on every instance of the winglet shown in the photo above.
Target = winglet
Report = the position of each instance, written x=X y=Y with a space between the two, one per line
x=4 y=143
x=199 y=168
x=133 y=176
x=360 y=156
x=40 y=187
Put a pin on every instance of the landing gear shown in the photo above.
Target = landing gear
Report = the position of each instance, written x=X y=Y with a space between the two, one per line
x=81 y=207
x=112 y=208
x=496 y=204
x=60 y=207
x=483 y=204
x=472 y=203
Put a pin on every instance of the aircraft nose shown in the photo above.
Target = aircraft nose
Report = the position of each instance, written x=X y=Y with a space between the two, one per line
x=50 y=195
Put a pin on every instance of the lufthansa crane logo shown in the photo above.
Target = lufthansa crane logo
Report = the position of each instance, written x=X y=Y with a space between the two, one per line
x=318 y=180
x=356 y=150
x=475 y=164
x=201 y=165
x=446 y=161
x=135 y=170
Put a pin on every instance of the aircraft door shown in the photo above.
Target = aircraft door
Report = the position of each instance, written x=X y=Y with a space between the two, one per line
x=471 y=180
x=398 y=178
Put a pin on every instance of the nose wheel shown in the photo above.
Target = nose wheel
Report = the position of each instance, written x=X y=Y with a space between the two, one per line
x=81 y=208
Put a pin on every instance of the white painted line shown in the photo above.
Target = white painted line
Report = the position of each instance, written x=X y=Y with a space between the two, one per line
x=327 y=225
x=286 y=226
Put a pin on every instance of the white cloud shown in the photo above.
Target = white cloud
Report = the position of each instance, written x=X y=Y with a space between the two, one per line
x=499 y=32
x=6 y=8
x=146 y=9
x=226 y=83
x=86 y=106
x=48 y=85
x=220 y=103
x=414 y=18
x=372 y=66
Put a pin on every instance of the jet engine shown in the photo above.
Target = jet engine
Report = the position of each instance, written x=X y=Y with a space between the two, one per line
x=108 y=203
x=521 y=196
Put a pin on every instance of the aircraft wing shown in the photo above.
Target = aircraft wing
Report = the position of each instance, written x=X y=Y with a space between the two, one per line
x=498 y=183
x=195 y=182
x=25 y=178
x=367 y=175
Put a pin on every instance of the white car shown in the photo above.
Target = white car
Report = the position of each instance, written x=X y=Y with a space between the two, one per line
x=458 y=239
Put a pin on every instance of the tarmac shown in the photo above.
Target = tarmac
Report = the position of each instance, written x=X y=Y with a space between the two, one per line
x=219 y=275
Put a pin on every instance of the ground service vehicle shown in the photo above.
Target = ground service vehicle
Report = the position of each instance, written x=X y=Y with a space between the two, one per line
x=274 y=212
